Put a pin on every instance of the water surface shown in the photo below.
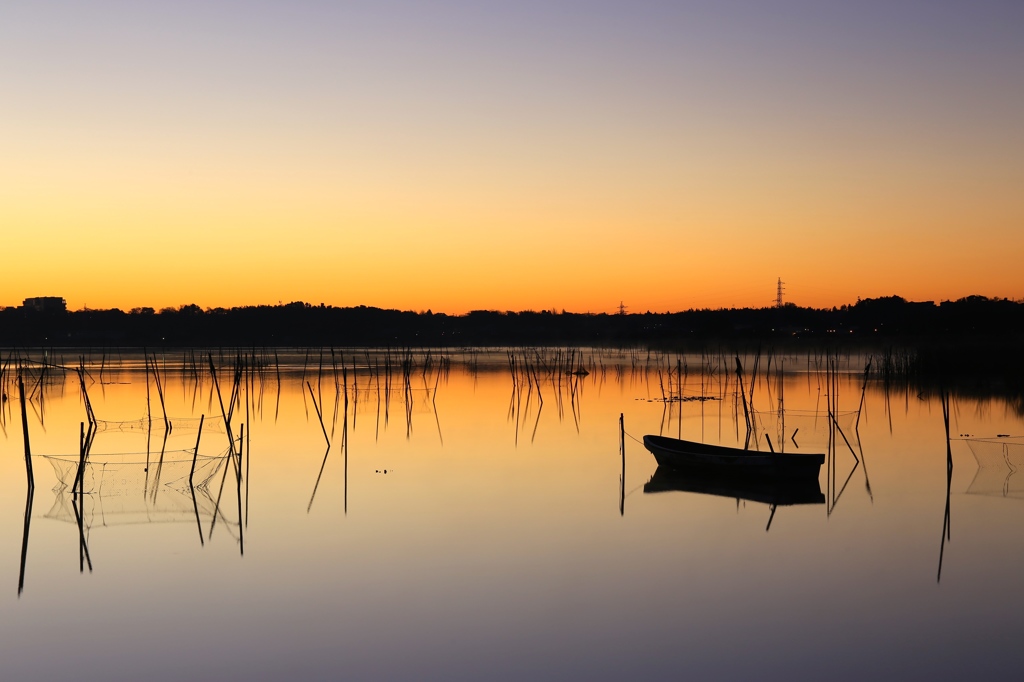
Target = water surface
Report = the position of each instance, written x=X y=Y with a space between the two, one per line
x=466 y=524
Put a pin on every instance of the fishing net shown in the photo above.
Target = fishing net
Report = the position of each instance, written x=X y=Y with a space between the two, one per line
x=999 y=463
x=104 y=425
x=184 y=424
x=126 y=489
x=141 y=425
x=805 y=429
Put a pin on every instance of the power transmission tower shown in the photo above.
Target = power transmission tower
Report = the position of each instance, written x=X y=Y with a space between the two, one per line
x=778 y=294
x=622 y=308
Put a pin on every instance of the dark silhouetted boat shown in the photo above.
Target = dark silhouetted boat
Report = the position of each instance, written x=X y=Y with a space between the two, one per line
x=774 y=491
x=685 y=455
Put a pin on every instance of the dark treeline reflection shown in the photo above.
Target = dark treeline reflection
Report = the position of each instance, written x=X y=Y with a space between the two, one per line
x=890 y=318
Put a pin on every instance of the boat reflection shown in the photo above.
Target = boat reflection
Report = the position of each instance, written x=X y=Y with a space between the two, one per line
x=772 y=491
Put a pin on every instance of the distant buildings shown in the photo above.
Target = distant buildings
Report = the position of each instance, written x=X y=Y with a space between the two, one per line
x=46 y=304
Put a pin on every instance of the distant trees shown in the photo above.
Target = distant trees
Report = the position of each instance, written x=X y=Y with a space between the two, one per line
x=300 y=323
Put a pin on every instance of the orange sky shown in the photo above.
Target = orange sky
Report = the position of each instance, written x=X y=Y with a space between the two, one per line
x=523 y=158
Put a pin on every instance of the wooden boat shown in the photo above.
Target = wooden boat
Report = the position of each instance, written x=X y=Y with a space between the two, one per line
x=768 y=490
x=684 y=455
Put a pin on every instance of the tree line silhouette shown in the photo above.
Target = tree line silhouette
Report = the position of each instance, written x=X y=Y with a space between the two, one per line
x=973 y=321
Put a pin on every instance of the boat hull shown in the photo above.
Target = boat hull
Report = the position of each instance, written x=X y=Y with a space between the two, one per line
x=684 y=455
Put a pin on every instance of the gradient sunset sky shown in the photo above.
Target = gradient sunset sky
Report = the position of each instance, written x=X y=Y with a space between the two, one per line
x=515 y=155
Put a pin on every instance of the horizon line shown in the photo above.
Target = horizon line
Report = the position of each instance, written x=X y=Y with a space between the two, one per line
x=617 y=310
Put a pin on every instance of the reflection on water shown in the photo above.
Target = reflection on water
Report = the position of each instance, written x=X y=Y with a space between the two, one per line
x=491 y=514
x=771 y=491
x=999 y=463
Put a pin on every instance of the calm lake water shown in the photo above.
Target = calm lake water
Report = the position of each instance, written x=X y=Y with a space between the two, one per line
x=464 y=525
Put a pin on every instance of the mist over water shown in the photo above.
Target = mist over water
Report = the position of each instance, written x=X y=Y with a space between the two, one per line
x=463 y=515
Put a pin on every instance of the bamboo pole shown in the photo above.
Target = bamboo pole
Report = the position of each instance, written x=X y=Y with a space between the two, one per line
x=195 y=453
x=24 y=430
x=622 y=478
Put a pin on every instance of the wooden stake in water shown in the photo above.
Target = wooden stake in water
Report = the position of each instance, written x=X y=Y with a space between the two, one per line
x=24 y=430
x=238 y=492
x=149 y=413
x=195 y=453
x=622 y=478
x=241 y=442
x=946 y=524
x=80 y=476
x=743 y=395
x=945 y=419
x=24 y=538
x=863 y=392
x=320 y=415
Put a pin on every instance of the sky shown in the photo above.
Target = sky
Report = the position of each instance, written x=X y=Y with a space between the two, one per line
x=456 y=155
